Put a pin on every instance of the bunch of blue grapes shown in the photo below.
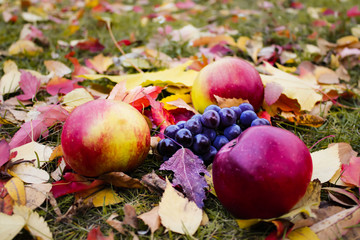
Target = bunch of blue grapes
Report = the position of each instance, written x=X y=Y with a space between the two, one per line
x=206 y=133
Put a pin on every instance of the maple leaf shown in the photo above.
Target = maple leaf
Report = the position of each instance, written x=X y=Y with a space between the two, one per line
x=351 y=172
x=4 y=152
x=29 y=84
x=187 y=168
x=29 y=131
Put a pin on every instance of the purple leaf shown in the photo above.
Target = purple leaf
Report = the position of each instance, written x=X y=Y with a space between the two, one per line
x=4 y=152
x=29 y=84
x=187 y=168
x=29 y=131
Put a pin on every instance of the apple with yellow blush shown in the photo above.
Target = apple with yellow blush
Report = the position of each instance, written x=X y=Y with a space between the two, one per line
x=228 y=77
x=103 y=136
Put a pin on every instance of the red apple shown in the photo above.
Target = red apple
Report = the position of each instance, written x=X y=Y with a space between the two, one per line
x=227 y=78
x=103 y=136
x=263 y=173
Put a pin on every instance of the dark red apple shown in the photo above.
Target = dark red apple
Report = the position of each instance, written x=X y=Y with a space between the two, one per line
x=263 y=173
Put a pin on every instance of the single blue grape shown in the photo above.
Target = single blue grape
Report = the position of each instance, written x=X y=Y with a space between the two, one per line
x=196 y=117
x=220 y=141
x=181 y=124
x=171 y=130
x=209 y=156
x=210 y=119
x=232 y=131
x=209 y=133
x=194 y=126
x=237 y=110
x=260 y=122
x=227 y=117
x=246 y=106
x=247 y=117
x=184 y=137
x=201 y=144
x=212 y=107
x=167 y=147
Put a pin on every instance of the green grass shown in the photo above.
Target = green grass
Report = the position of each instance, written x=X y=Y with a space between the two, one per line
x=342 y=123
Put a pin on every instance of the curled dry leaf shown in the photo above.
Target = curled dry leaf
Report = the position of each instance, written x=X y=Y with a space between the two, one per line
x=116 y=224
x=130 y=216
x=178 y=213
x=153 y=182
x=120 y=179
x=36 y=194
x=152 y=219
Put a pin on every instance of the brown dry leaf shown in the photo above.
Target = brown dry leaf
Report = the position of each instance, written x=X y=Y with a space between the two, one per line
x=57 y=67
x=321 y=109
x=10 y=225
x=304 y=90
x=99 y=196
x=178 y=213
x=24 y=47
x=16 y=189
x=342 y=73
x=152 y=219
x=116 y=224
x=34 y=223
x=153 y=182
x=228 y=102
x=307 y=120
x=120 y=179
x=325 y=163
x=36 y=194
x=130 y=216
x=335 y=226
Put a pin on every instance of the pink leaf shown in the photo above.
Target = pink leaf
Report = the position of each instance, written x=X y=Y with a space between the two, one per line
x=187 y=168
x=351 y=172
x=353 y=12
x=29 y=131
x=29 y=84
x=4 y=152
x=272 y=92
x=52 y=114
x=185 y=5
x=59 y=85
x=72 y=183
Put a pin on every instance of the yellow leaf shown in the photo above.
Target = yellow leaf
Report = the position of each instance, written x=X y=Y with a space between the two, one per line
x=247 y=223
x=91 y=3
x=35 y=224
x=152 y=219
x=16 y=190
x=185 y=97
x=10 y=226
x=10 y=80
x=302 y=90
x=77 y=97
x=177 y=76
x=101 y=63
x=325 y=163
x=99 y=197
x=57 y=67
x=28 y=173
x=347 y=40
x=33 y=151
x=25 y=47
x=241 y=43
x=304 y=233
x=285 y=69
x=178 y=213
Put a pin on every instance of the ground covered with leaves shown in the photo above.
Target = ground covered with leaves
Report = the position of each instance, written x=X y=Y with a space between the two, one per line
x=58 y=55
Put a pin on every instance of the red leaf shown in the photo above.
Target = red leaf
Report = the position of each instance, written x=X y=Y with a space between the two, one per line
x=92 y=45
x=78 y=68
x=73 y=183
x=187 y=168
x=181 y=114
x=4 y=152
x=52 y=114
x=160 y=116
x=96 y=234
x=29 y=84
x=29 y=131
x=351 y=172
x=353 y=12
x=59 y=85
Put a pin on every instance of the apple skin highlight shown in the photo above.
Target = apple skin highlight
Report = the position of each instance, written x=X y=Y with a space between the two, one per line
x=263 y=173
x=103 y=136
x=227 y=78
